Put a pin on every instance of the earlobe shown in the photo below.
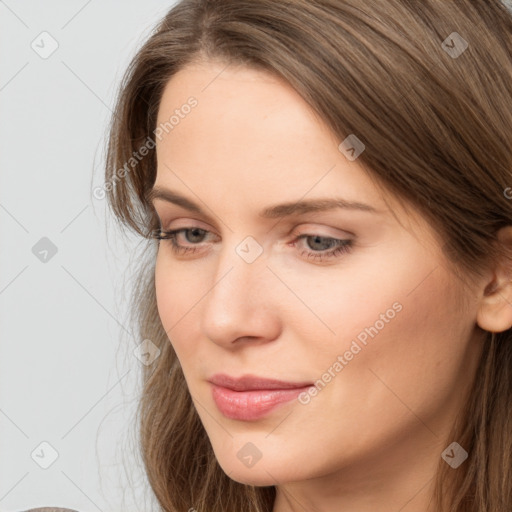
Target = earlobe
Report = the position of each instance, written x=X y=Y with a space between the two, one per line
x=495 y=310
x=495 y=316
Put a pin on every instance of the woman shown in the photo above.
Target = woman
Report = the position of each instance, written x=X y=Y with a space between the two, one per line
x=326 y=189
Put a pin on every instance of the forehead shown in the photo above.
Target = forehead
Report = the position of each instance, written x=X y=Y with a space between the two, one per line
x=241 y=115
x=250 y=133
x=238 y=106
x=213 y=78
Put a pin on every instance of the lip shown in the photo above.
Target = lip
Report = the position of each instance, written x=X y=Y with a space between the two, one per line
x=249 y=398
x=253 y=382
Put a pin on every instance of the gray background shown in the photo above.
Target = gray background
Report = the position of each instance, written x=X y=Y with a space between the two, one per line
x=68 y=375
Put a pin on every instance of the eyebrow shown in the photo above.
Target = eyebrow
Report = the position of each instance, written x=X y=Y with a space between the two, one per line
x=270 y=212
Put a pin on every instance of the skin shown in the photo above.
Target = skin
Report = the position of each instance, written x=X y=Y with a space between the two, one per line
x=371 y=439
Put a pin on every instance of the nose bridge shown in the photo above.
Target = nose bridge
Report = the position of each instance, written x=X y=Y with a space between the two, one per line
x=237 y=273
x=240 y=266
x=240 y=300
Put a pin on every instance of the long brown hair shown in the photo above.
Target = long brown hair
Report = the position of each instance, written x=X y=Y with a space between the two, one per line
x=427 y=87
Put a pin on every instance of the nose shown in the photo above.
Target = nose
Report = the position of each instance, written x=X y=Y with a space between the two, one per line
x=242 y=303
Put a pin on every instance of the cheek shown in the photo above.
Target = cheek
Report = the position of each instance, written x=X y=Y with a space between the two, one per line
x=174 y=296
x=180 y=291
x=398 y=321
x=402 y=358
x=339 y=304
x=384 y=297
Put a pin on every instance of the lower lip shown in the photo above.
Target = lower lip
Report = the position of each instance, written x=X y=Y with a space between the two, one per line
x=251 y=405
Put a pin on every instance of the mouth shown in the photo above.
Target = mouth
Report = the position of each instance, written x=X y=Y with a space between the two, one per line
x=250 y=397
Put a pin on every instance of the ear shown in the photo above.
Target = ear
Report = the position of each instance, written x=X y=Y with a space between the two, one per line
x=495 y=309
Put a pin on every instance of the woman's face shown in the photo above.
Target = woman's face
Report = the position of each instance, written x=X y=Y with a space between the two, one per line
x=352 y=300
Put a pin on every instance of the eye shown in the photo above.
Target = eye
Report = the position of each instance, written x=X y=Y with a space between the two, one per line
x=172 y=235
x=321 y=248
x=333 y=248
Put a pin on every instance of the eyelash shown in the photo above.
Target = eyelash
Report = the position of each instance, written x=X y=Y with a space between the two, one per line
x=343 y=246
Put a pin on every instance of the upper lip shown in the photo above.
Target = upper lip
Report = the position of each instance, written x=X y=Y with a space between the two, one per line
x=253 y=382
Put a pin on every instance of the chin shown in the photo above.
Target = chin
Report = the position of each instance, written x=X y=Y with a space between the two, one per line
x=252 y=476
x=264 y=472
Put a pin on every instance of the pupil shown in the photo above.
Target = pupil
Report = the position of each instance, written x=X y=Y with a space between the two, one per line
x=194 y=232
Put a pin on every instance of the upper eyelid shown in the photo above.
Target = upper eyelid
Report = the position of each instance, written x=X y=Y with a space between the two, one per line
x=211 y=222
x=164 y=226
